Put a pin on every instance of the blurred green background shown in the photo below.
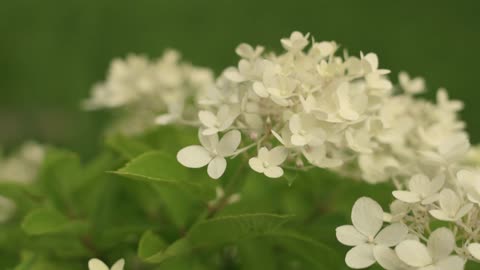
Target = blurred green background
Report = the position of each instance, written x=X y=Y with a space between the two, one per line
x=52 y=51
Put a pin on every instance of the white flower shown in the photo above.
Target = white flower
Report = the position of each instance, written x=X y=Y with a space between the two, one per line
x=296 y=42
x=445 y=103
x=212 y=152
x=411 y=86
x=434 y=256
x=268 y=161
x=474 y=249
x=421 y=189
x=452 y=208
x=366 y=233
x=219 y=122
x=246 y=51
x=452 y=149
x=471 y=184
x=96 y=264
x=7 y=208
x=305 y=131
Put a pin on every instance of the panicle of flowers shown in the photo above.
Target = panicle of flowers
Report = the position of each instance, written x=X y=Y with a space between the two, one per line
x=305 y=107
x=145 y=91
x=21 y=167
x=442 y=190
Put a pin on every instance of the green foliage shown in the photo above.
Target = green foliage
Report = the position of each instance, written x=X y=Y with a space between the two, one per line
x=135 y=201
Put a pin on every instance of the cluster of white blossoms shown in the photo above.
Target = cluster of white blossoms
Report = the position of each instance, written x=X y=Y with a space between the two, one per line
x=140 y=90
x=20 y=167
x=443 y=190
x=308 y=107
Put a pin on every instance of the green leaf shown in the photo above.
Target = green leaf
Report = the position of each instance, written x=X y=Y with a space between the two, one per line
x=211 y=233
x=47 y=221
x=230 y=229
x=163 y=169
x=128 y=147
x=149 y=244
x=309 y=249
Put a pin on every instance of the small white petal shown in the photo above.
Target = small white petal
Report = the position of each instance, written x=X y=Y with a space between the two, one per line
x=360 y=257
x=96 y=264
x=217 y=167
x=298 y=140
x=367 y=216
x=441 y=243
x=449 y=202
x=350 y=236
x=259 y=89
x=406 y=196
x=229 y=143
x=419 y=184
x=119 y=265
x=413 y=253
x=474 y=249
x=388 y=259
x=207 y=118
x=277 y=155
x=256 y=164
x=274 y=172
x=392 y=234
x=440 y=215
x=451 y=263
x=295 y=123
x=194 y=156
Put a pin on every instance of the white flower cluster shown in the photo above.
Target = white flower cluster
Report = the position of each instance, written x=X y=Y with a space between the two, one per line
x=449 y=195
x=140 y=89
x=304 y=105
x=307 y=107
x=21 y=167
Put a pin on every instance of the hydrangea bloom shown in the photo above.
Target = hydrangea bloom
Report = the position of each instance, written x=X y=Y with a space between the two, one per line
x=21 y=167
x=143 y=91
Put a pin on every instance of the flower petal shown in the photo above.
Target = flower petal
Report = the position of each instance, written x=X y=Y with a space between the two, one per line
x=388 y=259
x=256 y=164
x=277 y=155
x=349 y=236
x=360 y=257
x=392 y=234
x=274 y=172
x=413 y=253
x=474 y=249
x=441 y=243
x=194 y=156
x=229 y=143
x=295 y=123
x=367 y=216
x=451 y=263
x=406 y=196
x=449 y=202
x=119 y=265
x=207 y=118
x=440 y=215
x=217 y=167
x=210 y=142
x=420 y=184
x=96 y=264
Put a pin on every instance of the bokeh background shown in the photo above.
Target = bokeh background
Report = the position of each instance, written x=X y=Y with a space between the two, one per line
x=52 y=51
